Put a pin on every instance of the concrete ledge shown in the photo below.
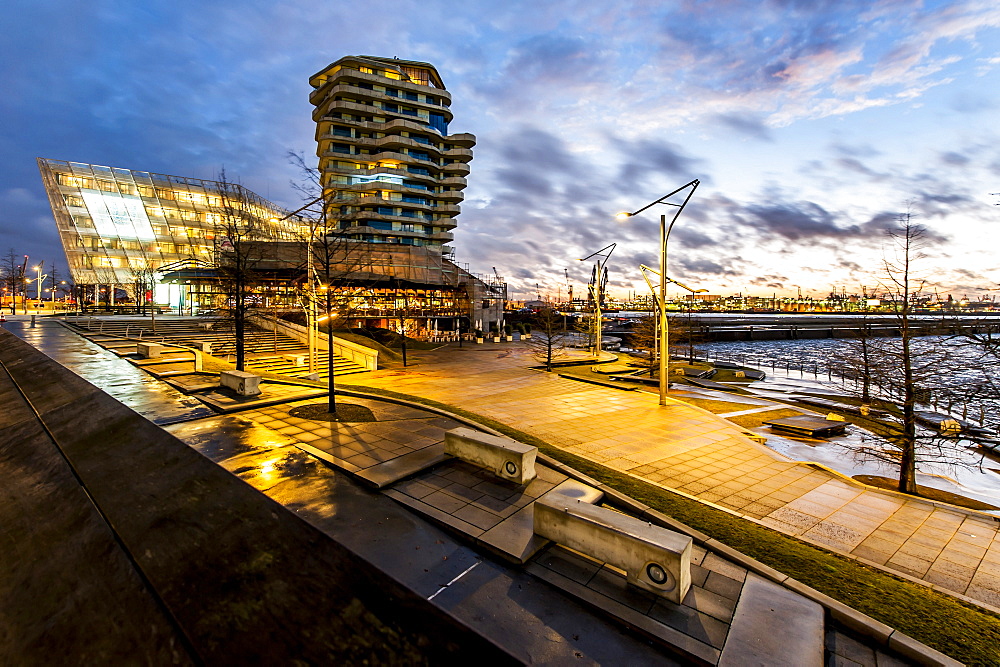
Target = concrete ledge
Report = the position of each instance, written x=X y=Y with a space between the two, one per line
x=852 y=618
x=149 y=350
x=774 y=626
x=247 y=580
x=924 y=655
x=655 y=559
x=507 y=458
x=244 y=384
x=295 y=359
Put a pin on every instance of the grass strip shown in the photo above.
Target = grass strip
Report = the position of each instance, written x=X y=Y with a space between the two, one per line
x=963 y=631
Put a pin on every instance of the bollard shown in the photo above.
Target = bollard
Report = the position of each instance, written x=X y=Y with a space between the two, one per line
x=32 y=319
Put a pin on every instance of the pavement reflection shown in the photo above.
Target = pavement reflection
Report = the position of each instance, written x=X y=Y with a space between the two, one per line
x=152 y=399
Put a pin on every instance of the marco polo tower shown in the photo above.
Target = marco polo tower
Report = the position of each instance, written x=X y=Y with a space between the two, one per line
x=391 y=170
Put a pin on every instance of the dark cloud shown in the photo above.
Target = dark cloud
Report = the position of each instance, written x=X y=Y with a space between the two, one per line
x=746 y=125
x=796 y=221
x=855 y=165
x=705 y=266
x=857 y=151
x=955 y=159
x=648 y=158
x=691 y=238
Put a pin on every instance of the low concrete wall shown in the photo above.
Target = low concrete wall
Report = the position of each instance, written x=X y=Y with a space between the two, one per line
x=507 y=458
x=117 y=532
x=654 y=558
x=243 y=383
x=359 y=354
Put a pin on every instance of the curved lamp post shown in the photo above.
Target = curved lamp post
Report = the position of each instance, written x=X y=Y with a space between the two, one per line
x=664 y=236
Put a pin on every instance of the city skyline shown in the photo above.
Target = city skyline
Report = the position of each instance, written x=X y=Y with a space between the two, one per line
x=810 y=128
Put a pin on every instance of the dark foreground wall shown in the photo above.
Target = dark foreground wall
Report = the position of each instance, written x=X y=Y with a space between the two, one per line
x=120 y=544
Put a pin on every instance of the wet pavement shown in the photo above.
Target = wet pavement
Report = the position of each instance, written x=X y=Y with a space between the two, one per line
x=684 y=448
x=273 y=453
x=130 y=385
x=509 y=606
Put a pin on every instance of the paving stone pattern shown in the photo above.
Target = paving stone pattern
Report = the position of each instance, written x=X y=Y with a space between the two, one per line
x=683 y=448
x=705 y=613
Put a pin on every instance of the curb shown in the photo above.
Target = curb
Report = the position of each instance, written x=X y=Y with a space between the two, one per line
x=880 y=632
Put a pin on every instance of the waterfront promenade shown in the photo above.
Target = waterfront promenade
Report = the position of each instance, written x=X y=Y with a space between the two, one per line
x=684 y=448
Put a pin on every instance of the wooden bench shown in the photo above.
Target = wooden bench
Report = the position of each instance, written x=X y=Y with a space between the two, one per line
x=508 y=459
x=244 y=384
x=654 y=558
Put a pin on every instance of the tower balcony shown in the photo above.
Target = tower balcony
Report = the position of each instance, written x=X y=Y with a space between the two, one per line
x=456 y=167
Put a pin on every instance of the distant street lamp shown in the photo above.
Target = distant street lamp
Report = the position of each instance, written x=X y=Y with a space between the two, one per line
x=664 y=236
x=40 y=277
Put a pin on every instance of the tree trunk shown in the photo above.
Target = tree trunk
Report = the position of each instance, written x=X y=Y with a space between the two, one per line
x=330 y=382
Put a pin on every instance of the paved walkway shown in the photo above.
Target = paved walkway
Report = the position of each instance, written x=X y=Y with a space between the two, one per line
x=684 y=448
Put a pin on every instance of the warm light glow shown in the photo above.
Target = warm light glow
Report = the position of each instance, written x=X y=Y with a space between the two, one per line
x=623 y=215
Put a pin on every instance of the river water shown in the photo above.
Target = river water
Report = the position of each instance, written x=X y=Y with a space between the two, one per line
x=817 y=365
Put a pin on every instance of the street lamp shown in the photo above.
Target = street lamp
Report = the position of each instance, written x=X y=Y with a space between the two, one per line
x=664 y=236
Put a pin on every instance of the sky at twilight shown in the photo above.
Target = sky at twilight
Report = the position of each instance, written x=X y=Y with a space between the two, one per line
x=811 y=125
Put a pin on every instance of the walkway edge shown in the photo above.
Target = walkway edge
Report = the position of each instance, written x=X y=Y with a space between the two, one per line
x=852 y=618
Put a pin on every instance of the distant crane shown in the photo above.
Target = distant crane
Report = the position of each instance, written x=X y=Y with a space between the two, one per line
x=569 y=287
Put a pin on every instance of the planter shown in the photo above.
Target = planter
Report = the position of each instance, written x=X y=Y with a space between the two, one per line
x=526 y=336
x=496 y=339
x=479 y=341
x=510 y=339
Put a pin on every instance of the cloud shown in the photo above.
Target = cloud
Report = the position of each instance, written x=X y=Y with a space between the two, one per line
x=745 y=125
x=647 y=158
x=954 y=159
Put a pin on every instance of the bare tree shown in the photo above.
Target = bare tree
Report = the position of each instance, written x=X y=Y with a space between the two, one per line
x=644 y=337
x=338 y=269
x=548 y=337
x=13 y=276
x=904 y=373
x=239 y=233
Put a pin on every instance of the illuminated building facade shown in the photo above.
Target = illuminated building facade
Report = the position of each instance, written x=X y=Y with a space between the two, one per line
x=120 y=227
x=390 y=170
x=132 y=231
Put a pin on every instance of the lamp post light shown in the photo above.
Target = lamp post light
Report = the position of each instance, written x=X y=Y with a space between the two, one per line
x=664 y=236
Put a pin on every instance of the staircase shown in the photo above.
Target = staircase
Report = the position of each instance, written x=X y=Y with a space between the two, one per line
x=266 y=351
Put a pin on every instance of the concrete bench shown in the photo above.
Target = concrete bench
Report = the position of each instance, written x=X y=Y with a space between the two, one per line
x=244 y=384
x=149 y=350
x=205 y=326
x=295 y=359
x=508 y=459
x=654 y=558
x=204 y=346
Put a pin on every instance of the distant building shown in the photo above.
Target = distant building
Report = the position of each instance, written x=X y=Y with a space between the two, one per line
x=391 y=171
x=134 y=235
x=392 y=179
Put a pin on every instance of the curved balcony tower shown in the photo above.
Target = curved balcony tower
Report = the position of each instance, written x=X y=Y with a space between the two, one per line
x=390 y=169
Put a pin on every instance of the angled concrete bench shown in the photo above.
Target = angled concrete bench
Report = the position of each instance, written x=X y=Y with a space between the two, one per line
x=149 y=350
x=508 y=459
x=295 y=359
x=654 y=558
x=244 y=384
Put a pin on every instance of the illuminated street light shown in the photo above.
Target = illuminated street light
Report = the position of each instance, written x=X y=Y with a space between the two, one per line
x=664 y=236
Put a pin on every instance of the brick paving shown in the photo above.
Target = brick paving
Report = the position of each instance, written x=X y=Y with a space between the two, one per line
x=684 y=448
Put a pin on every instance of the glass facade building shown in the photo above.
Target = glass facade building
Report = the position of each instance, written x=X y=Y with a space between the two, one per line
x=391 y=179
x=120 y=226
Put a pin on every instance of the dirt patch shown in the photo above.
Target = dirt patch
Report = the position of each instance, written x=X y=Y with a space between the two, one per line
x=346 y=412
